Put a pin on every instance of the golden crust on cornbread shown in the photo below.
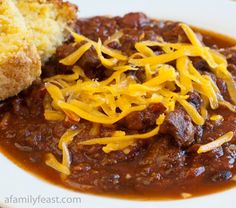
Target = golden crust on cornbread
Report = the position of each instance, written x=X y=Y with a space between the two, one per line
x=47 y=22
x=30 y=32
x=20 y=63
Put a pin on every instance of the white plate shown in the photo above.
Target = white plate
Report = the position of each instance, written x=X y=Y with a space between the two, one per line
x=215 y=15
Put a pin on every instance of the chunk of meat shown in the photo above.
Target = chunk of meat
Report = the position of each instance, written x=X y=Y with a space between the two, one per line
x=66 y=49
x=172 y=32
x=5 y=106
x=53 y=67
x=163 y=154
x=221 y=84
x=128 y=40
x=134 y=20
x=195 y=99
x=232 y=70
x=99 y=27
x=230 y=55
x=88 y=60
x=178 y=124
x=200 y=64
x=143 y=119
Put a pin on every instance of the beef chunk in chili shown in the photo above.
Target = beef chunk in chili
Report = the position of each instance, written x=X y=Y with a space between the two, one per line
x=200 y=65
x=163 y=154
x=179 y=125
x=143 y=119
x=134 y=20
x=195 y=99
x=88 y=60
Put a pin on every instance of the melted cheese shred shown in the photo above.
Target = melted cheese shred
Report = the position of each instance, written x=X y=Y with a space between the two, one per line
x=169 y=78
x=216 y=118
x=52 y=162
x=122 y=137
x=216 y=143
x=74 y=57
x=64 y=166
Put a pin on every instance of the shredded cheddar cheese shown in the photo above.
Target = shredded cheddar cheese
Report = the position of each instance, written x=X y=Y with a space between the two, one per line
x=114 y=38
x=75 y=96
x=216 y=118
x=123 y=137
x=72 y=58
x=52 y=162
x=216 y=143
x=54 y=115
x=64 y=166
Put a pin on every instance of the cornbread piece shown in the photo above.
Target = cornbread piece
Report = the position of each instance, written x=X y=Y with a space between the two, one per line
x=47 y=21
x=19 y=60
